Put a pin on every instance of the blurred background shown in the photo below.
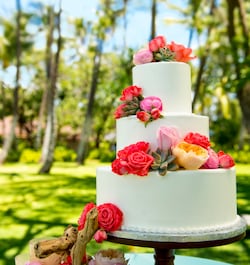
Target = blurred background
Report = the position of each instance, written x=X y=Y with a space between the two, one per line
x=63 y=65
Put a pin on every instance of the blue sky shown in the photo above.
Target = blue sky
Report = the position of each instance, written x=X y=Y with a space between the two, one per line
x=138 y=19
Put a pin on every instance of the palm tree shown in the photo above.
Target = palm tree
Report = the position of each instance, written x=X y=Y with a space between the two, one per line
x=106 y=22
x=11 y=136
x=52 y=73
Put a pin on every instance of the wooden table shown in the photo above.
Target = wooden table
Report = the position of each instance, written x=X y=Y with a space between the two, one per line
x=165 y=244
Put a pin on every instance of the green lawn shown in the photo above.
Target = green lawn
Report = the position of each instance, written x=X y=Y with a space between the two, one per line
x=37 y=206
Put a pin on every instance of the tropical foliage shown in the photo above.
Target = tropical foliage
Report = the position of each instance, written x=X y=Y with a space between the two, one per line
x=66 y=90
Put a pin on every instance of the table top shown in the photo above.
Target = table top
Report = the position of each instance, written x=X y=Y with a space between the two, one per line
x=145 y=259
x=148 y=259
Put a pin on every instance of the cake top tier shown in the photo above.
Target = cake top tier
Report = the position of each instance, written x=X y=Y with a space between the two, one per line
x=169 y=81
x=161 y=82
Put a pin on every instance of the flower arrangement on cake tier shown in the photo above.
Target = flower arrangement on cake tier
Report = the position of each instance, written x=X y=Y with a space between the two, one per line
x=94 y=222
x=191 y=152
x=133 y=103
x=159 y=50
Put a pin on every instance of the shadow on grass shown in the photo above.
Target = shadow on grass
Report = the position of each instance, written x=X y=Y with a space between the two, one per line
x=35 y=206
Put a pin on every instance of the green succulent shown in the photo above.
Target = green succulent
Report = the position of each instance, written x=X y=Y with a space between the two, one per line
x=163 y=161
x=164 y=54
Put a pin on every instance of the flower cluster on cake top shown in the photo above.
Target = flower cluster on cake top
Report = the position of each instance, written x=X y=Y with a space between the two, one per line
x=191 y=152
x=146 y=109
x=159 y=50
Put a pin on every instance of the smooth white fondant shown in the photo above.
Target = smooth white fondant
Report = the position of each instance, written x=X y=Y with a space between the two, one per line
x=130 y=130
x=185 y=200
x=170 y=81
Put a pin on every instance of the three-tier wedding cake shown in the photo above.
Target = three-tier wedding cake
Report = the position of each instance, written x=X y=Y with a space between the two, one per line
x=166 y=177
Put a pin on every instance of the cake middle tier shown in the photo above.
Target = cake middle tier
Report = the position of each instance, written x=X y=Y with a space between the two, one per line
x=130 y=130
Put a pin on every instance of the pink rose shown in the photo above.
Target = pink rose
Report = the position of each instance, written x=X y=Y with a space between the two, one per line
x=143 y=56
x=212 y=161
x=196 y=138
x=110 y=217
x=100 y=235
x=182 y=54
x=225 y=160
x=149 y=103
x=143 y=116
x=157 y=43
x=130 y=92
x=82 y=219
x=119 y=112
x=167 y=137
x=155 y=114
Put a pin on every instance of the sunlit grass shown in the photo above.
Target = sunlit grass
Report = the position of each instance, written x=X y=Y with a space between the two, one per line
x=38 y=206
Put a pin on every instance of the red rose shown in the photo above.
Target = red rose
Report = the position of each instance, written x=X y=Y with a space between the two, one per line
x=110 y=217
x=119 y=112
x=139 y=146
x=143 y=116
x=182 y=54
x=198 y=139
x=225 y=160
x=130 y=92
x=133 y=159
x=68 y=261
x=139 y=163
x=142 y=146
x=120 y=167
x=157 y=43
x=82 y=219
x=155 y=113
x=100 y=235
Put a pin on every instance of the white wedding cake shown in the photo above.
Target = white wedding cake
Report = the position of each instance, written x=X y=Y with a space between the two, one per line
x=191 y=188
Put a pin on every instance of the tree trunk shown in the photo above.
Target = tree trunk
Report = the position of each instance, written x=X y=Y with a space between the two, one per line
x=45 y=97
x=50 y=132
x=2 y=112
x=240 y=62
x=8 y=141
x=203 y=61
x=87 y=125
x=153 y=18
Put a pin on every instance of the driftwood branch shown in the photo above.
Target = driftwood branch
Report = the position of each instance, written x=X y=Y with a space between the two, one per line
x=60 y=245
x=84 y=236
x=73 y=242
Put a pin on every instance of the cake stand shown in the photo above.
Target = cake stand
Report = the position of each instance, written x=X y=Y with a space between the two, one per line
x=165 y=244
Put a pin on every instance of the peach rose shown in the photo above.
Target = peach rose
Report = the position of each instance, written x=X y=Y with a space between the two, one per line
x=190 y=156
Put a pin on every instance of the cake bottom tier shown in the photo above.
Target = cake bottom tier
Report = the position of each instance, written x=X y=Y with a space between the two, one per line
x=184 y=200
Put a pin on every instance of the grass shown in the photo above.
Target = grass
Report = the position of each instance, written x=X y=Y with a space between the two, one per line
x=38 y=206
